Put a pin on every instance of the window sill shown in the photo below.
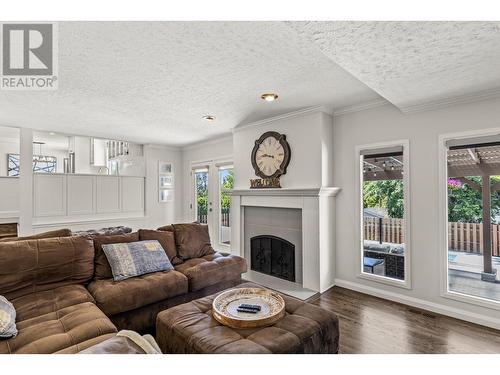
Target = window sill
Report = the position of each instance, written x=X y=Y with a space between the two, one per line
x=465 y=298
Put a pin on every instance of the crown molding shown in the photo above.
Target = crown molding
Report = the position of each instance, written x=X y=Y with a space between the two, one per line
x=162 y=147
x=298 y=113
x=448 y=102
x=208 y=141
x=360 y=107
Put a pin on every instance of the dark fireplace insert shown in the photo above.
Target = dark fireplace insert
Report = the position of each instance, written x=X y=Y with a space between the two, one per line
x=273 y=256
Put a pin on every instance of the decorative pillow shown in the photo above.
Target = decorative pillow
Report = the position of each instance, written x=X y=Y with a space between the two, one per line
x=136 y=258
x=102 y=268
x=166 y=240
x=7 y=319
x=192 y=240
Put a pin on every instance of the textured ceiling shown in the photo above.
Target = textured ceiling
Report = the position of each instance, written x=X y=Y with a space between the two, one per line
x=152 y=82
x=413 y=63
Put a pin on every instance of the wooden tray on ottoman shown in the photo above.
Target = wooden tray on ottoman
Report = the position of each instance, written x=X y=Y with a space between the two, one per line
x=224 y=308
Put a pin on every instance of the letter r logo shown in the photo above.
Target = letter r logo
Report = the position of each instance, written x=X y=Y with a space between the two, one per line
x=27 y=49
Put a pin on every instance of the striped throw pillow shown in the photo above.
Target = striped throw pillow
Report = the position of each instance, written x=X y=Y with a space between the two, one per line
x=136 y=258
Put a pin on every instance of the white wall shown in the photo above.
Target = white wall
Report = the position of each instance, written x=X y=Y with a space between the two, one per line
x=422 y=129
x=309 y=136
x=157 y=213
x=212 y=150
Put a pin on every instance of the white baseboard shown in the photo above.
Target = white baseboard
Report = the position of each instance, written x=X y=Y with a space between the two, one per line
x=422 y=304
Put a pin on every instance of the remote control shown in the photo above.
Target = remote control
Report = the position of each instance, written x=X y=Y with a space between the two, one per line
x=253 y=307
x=250 y=311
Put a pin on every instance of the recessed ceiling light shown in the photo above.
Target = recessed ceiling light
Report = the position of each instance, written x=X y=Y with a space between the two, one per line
x=52 y=133
x=209 y=118
x=269 y=97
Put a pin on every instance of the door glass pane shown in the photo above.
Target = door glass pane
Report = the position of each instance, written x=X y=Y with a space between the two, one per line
x=226 y=182
x=201 y=195
x=383 y=215
x=473 y=220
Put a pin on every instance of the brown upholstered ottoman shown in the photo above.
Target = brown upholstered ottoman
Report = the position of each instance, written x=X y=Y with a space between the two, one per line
x=190 y=328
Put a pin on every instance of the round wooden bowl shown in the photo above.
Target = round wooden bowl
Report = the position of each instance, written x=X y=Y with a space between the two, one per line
x=224 y=308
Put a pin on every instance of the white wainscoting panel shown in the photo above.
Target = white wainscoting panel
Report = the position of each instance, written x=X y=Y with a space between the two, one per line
x=108 y=194
x=83 y=198
x=49 y=195
x=81 y=195
x=9 y=197
x=132 y=194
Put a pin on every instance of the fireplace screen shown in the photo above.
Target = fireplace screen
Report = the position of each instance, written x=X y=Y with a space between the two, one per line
x=273 y=256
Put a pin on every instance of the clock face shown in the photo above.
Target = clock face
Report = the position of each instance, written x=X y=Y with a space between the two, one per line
x=270 y=155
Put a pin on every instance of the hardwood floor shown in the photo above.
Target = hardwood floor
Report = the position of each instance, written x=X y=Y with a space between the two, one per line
x=374 y=325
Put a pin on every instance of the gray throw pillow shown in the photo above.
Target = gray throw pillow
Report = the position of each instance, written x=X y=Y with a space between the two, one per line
x=7 y=319
x=136 y=258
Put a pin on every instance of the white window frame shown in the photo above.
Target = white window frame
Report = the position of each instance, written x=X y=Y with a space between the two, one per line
x=213 y=217
x=218 y=166
x=443 y=218
x=405 y=143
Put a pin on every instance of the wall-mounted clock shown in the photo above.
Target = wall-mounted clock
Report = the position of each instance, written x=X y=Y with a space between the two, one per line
x=271 y=155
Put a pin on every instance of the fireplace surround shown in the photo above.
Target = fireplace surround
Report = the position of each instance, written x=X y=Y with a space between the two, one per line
x=314 y=264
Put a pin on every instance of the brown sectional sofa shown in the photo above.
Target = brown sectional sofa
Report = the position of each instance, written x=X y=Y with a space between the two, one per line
x=44 y=279
x=66 y=299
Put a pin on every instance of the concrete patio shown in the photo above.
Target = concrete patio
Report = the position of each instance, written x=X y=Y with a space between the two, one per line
x=465 y=275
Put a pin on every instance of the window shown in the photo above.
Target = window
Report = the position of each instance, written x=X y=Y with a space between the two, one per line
x=473 y=217
x=226 y=183
x=384 y=214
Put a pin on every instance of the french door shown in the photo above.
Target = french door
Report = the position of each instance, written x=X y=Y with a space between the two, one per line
x=211 y=202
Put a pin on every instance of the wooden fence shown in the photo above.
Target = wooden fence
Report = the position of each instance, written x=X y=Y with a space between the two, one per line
x=465 y=237
x=392 y=230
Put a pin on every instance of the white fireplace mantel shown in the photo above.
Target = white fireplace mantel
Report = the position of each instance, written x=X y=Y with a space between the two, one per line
x=307 y=192
x=318 y=227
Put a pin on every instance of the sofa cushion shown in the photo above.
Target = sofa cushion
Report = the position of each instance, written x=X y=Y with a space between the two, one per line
x=114 y=297
x=136 y=258
x=212 y=269
x=166 y=239
x=7 y=319
x=47 y=301
x=39 y=236
x=102 y=268
x=56 y=331
x=192 y=240
x=36 y=265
